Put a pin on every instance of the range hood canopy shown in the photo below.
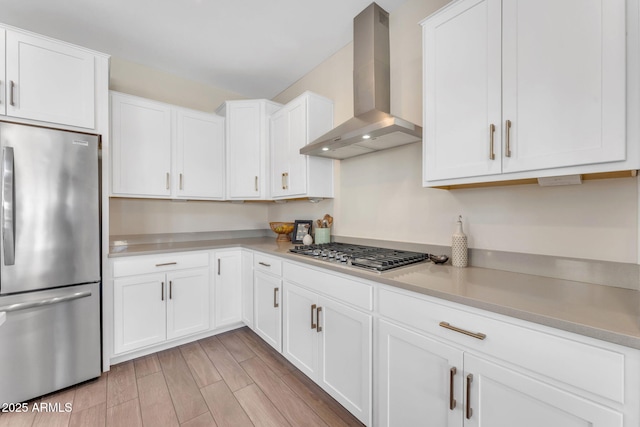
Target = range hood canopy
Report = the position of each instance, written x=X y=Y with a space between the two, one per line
x=373 y=128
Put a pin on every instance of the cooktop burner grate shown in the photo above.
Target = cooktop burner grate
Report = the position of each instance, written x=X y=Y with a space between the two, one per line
x=369 y=257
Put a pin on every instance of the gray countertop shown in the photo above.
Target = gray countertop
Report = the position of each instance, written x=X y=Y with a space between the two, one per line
x=604 y=312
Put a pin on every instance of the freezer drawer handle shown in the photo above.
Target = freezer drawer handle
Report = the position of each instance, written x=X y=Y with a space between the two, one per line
x=27 y=305
x=8 y=207
x=476 y=335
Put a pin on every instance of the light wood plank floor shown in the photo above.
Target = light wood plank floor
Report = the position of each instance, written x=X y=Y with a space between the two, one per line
x=232 y=379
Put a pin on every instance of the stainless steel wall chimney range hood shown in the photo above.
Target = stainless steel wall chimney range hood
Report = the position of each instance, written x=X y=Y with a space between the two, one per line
x=372 y=128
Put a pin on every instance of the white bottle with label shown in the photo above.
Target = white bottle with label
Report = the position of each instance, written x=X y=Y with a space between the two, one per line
x=459 y=249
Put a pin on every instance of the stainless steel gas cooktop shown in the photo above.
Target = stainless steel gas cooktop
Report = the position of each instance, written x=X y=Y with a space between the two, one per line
x=368 y=257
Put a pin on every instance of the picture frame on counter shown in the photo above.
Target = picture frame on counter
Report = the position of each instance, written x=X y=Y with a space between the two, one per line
x=301 y=228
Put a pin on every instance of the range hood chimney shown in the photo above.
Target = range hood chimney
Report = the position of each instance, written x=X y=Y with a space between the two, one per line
x=372 y=128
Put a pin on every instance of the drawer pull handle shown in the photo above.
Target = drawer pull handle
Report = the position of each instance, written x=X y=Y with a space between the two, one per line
x=452 y=401
x=265 y=264
x=476 y=335
x=219 y=266
x=319 y=328
x=162 y=291
x=256 y=183
x=166 y=263
x=275 y=298
x=170 y=289
x=313 y=325
x=469 y=411
x=168 y=181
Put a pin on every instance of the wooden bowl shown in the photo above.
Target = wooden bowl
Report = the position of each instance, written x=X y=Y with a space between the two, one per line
x=283 y=230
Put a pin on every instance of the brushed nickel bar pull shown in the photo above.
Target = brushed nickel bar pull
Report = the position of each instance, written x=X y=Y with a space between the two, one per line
x=265 y=264
x=275 y=298
x=286 y=176
x=283 y=187
x=492 y=131
x=452 y=401
x=170 y=289
x=508 y=139
x=166 y=263
x=218 y=266
x=256 y=183
x=476 y=335
x=162 y=291
x=167 y=180
x=181 y=182
x=319 y=328
x=469 y=411
x=12 y=86
x=313 y=325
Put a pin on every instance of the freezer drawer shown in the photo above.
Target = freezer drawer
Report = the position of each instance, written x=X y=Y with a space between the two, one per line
x=50 y=340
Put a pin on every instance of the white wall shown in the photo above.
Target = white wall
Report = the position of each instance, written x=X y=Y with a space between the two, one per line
x=380 y=196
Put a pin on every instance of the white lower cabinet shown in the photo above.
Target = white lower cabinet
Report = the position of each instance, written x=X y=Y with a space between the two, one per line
x=139 y=312
x=331 y=343
x=516 y=375
x=227 y=277
x=501 y=397
x=267 y=320
x=419 y=380
x=159 y=298
x=152 y=308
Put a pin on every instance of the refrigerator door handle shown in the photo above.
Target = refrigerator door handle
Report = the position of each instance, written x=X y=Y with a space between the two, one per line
x=27 y=305
x=8 y=207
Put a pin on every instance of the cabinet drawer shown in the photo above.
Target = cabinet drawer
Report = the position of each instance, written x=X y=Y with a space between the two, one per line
x=592 y=368
x=267 y=264
x=350 y=291
x=159 y=263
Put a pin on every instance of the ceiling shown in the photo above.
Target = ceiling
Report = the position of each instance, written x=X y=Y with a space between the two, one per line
x=256 y=48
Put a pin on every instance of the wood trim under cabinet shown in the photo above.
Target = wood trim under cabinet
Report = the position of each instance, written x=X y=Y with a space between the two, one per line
x=585 y=177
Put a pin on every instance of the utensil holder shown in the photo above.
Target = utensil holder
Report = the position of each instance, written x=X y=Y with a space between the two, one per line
x=323 y=235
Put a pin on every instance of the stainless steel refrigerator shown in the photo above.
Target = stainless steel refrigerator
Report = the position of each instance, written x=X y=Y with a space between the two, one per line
x=49 y=260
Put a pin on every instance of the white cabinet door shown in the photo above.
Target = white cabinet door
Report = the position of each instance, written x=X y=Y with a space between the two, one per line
x=139 y=311
x=267 y=309
x=247 y=288
x=345 y=356
x=564 y=88
x=199 y=155
x=187 y=302
x=245 y=150
x=141 y=136
x=295 y=125
x=299 y=329
x=297 y=177
x=3 y=80
x=279 y=142
x=50 y=81
x=462 y=91
x=418 y=380
x=228 y=287
x=500 y=397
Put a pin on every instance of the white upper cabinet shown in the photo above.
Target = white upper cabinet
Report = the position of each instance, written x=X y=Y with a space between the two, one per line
x=3 y=80
x=525 y=88
x=163 y=151
x=247 y=137
x=298 y=123
x=199 y=155
x=49 y=81
x=141 y=141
